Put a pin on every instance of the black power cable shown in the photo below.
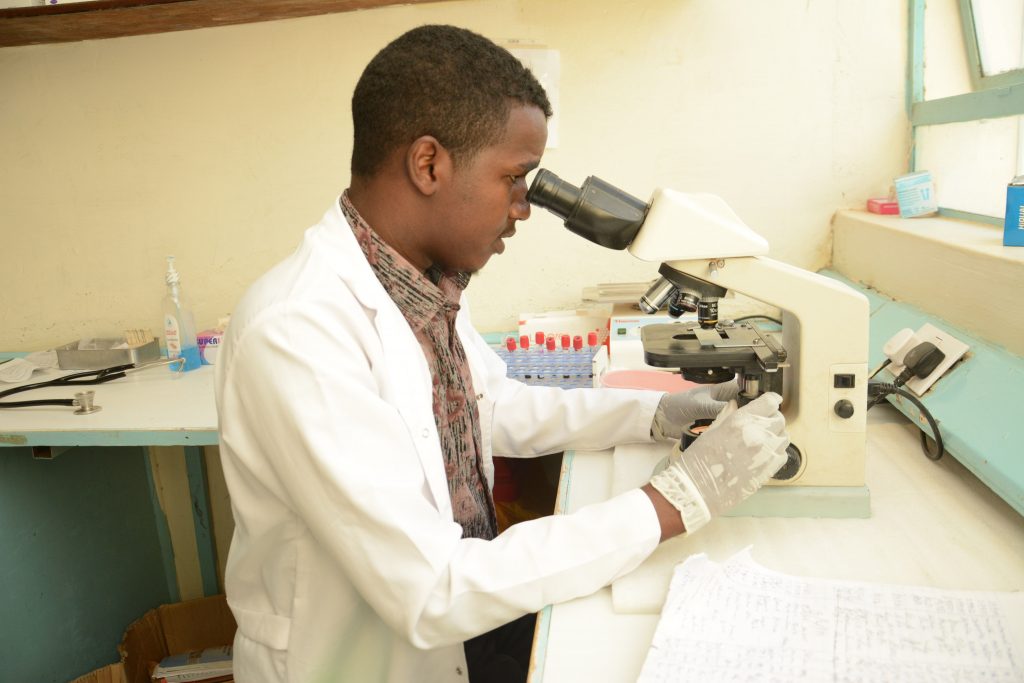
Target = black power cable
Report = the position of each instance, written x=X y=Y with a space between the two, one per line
x=879 y=390
x=919 y=362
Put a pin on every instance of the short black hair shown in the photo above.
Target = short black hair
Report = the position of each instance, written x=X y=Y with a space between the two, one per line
x=437 y=80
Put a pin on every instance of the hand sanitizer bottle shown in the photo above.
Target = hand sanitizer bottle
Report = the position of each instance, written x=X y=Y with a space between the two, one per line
x=179 y=325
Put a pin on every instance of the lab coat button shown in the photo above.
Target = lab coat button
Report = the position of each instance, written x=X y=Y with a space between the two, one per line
x=425 y=433
x=458 y=670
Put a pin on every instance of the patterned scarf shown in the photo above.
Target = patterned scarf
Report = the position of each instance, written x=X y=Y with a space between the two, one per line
x=430 y=303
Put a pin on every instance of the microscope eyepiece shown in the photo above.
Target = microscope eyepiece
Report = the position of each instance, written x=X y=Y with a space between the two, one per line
x=550 y=192
x=600 y=212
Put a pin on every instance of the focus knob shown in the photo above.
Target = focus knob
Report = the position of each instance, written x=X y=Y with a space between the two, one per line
x=843 y=409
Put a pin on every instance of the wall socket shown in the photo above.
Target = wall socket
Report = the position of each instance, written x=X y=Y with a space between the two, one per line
x=945 y=342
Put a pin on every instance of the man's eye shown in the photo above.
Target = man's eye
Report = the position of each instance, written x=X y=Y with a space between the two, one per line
x=515 y=178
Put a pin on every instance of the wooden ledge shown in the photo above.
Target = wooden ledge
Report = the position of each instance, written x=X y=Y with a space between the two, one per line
x=116 y=18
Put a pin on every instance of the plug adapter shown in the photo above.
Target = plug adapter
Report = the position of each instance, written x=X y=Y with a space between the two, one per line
x=907 y=340
x=920 y=362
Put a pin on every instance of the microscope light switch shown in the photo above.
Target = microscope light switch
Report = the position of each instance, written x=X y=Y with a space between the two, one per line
x=847 y=397
x=844 y=381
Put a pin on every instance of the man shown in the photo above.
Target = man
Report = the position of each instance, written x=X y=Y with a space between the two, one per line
x=359 y=410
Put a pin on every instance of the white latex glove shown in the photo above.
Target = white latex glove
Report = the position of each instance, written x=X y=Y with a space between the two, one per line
x=677 y=411
x=738 y=453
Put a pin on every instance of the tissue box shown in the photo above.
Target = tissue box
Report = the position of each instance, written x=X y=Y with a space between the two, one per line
x=1013 y=224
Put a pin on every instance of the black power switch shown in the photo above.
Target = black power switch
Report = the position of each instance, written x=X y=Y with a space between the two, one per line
x=844 y=381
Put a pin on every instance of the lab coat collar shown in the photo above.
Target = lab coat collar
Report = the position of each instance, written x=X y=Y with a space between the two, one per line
x=348 y=260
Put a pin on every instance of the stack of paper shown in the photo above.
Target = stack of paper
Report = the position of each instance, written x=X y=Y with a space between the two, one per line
x=738 y=621
x=210 y=665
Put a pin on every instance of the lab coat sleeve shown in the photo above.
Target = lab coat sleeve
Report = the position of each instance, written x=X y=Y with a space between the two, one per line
x=306 y=419
x=532 y=420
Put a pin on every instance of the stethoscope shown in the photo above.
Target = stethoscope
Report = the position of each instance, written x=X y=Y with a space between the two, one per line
x=83 y=400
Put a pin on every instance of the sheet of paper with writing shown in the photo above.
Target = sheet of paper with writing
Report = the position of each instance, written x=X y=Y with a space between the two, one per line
x=737 y=621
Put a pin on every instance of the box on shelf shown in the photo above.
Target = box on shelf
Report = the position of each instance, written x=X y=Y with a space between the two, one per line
x=165 y=630
x=915 y=195
x=884 y=206
x=1013 y=223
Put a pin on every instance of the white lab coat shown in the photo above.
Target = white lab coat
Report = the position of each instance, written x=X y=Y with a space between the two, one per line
x=346 y=564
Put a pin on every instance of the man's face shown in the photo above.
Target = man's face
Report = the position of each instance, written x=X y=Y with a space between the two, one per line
x=487 y=195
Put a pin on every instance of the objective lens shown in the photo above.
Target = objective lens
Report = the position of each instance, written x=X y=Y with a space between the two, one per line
x=707 y=313
x=681 y=303
x=656 y=296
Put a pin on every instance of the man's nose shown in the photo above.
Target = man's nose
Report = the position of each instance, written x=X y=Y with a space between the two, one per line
x=520 y=209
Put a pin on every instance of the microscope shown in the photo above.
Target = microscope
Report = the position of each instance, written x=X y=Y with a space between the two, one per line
x=818 y=364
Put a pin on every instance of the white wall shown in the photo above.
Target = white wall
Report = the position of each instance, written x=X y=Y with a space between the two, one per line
x=222 y=145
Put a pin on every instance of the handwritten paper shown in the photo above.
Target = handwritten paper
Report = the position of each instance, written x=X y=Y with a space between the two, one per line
x=737 y=621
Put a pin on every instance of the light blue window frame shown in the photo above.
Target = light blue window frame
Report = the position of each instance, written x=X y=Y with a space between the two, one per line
x=991 y=97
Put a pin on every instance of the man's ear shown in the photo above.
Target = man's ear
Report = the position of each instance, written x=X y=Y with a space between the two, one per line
x=428 y=164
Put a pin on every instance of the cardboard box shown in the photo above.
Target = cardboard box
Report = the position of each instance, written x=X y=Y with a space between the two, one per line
x=1013 y=222
x=112 y=673
x=915 y=195
x=168 y=629
x=884 y=206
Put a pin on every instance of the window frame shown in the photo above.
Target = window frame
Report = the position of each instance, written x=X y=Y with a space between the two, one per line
x=991 y=97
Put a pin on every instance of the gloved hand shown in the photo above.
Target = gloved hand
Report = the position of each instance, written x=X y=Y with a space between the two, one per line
x=677 y=411
x=738 y=453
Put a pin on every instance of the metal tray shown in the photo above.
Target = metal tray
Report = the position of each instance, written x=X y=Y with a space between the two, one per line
x=70 y=357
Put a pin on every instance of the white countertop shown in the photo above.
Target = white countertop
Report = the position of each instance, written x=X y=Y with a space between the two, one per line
x=932 y=524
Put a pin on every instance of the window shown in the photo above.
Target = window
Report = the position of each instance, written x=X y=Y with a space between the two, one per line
x=965 y=97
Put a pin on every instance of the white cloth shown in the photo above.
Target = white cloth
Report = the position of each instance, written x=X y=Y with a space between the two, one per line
x=21 y=369
x=346 y=564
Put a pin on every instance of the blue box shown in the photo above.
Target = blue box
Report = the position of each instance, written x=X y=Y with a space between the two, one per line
x=1013 y=224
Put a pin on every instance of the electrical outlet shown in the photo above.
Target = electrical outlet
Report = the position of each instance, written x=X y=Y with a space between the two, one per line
x=947 y=343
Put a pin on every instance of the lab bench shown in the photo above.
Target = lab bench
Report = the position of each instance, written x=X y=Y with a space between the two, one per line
x=88 y=546
x=931 y=524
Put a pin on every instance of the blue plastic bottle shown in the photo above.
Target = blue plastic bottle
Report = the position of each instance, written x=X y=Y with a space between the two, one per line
x=179 y=324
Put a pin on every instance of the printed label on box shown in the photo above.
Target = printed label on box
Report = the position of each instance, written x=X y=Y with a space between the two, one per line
x=915 y=194
x=1013 y=222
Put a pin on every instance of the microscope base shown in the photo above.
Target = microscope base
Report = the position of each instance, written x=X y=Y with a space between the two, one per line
x=633 y=465
x=832 y=502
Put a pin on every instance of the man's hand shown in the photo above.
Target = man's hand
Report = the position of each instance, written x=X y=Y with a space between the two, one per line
x=738 y=453
x=679 y=410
